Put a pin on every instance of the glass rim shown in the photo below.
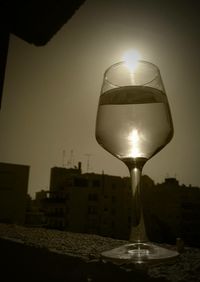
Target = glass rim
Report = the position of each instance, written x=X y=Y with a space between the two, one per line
x=124 y=62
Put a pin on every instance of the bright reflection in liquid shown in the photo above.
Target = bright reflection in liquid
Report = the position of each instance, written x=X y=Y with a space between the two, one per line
x=134 y=140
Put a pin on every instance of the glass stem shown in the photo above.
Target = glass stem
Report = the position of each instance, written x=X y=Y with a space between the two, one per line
x=138 y=230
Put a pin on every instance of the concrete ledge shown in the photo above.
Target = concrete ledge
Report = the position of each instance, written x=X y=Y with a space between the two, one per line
x=36 y=254
x=25 y=263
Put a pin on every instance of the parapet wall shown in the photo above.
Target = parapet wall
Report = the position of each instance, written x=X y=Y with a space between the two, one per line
x=36 y=254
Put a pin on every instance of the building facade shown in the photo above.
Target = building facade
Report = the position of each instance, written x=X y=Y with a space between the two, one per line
x=13 y=192
x=101 y=204
x=88 y=203
x=172 y=211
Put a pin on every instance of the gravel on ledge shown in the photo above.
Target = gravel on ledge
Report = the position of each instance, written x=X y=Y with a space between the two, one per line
x=85 y=246
x=88 y=247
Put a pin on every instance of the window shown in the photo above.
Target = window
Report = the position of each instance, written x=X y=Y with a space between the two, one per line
x=113 y=199
x=105 y=209
x=113 y=211
x=80 y=182
x=96 y=183
x=93 y=197
x=92 y=210
x=113 y=186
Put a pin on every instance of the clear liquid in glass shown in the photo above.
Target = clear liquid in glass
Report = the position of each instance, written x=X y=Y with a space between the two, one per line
x=133 y=122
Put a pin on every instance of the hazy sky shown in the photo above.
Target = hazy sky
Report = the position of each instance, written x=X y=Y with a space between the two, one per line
x=51 y=93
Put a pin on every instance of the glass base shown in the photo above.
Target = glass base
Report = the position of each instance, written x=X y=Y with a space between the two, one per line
x=139 y=253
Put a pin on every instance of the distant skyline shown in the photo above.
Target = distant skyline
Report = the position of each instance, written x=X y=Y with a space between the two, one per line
x=51 y=93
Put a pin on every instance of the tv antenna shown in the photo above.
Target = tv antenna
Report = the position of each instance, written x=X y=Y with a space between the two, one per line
x=63 y=158
x=70 y=162
x=88 y=161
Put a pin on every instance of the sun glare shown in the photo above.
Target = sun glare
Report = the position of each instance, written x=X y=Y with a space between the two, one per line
x=131 y=59
x=134 y=139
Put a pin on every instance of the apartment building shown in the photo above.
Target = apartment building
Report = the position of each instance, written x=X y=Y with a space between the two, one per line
x=13 y=192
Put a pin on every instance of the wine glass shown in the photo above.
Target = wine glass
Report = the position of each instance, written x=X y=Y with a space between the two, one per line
x=134 y=123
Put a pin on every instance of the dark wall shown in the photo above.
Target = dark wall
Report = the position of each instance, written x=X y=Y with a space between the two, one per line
x=24 y=263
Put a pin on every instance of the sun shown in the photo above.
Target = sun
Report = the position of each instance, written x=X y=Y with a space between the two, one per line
x=131 y=58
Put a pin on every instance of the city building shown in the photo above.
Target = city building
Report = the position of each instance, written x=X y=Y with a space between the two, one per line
x=172 y=211
x=13 y=192
x=190 y=215
x=162 y=210
x=34 y=214
x=88 y=203
x=101 y=204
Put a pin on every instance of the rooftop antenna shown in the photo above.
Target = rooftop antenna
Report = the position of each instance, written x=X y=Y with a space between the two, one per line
x=88 y=161
x=63 y=158
x=72 y=158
